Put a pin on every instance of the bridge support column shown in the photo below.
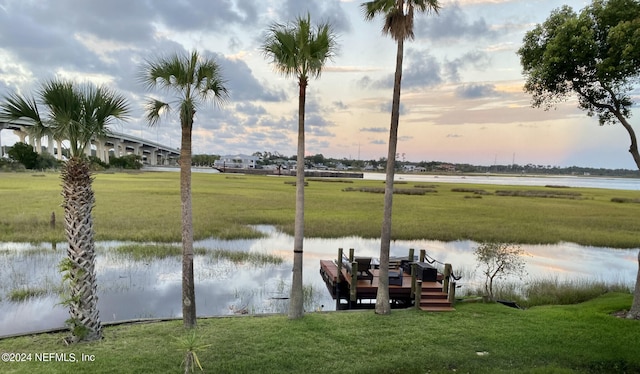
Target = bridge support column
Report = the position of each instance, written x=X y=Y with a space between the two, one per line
x=105 y=150
x=59 y=150
x=38 y=146
x=50 y=145
x=154 y=158
x=21 y=134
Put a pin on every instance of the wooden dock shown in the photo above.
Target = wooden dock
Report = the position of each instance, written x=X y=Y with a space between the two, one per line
x=350 y=291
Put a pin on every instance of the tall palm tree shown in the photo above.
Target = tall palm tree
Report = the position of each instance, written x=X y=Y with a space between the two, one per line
x=78 y=113
x=299 y=50
x=194 y=80
x=398 y=23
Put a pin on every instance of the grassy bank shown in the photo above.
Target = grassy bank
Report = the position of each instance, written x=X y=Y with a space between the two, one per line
x=477 y=338
x=146 y=207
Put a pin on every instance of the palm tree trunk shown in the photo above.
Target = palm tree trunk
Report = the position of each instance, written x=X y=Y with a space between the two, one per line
x=296 y=302
x=382 y=297
x=188 y=287
x=78 y=200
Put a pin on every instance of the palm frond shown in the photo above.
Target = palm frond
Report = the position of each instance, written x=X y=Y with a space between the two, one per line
x=193 y=77
x=398 y=15
x=154 y=109
x=298 y=49
x=15 y=107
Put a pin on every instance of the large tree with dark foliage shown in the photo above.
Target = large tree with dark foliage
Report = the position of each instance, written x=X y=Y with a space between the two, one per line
x=595 y=56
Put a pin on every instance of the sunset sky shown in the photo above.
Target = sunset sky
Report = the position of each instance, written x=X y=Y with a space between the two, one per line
x=462 y=97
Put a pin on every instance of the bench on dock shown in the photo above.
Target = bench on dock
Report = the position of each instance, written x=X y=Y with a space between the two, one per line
x=363 y=268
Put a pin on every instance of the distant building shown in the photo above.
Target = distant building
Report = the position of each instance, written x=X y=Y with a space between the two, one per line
x=413 y=169
x=236 y=162
x=446 y=167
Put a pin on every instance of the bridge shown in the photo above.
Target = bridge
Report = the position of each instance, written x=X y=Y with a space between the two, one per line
x=114 y=145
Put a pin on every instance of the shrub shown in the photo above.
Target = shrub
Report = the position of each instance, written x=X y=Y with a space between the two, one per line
x=498 y=260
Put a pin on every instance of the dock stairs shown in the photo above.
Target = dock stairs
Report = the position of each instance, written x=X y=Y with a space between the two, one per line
x=434 y=299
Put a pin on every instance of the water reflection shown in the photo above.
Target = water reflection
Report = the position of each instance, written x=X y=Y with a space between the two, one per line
x=138 y=289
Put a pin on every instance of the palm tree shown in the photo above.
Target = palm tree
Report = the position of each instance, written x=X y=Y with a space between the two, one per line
x=79 y=113
x=300 y=51
x=398 y=23
x=194 y=79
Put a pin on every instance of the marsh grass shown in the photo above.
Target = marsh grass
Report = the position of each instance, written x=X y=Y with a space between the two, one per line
x=380 y=190
x=545 y=291
x=145 y=207
x=246 y=257
x=539 y=193
x=146 y=252
x=551 y=291
x=330 y=180
x=624 y=200
x=24 y=294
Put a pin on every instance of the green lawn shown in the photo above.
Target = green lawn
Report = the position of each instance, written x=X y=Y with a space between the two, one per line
x=477 y=338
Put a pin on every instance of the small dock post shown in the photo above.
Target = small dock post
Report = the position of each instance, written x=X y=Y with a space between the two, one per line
x=411 y=251
x=338 y=286
x=351 y=254
x=414 y=272
x=423 y=254
x=452 y=293
x=417 y=296
x=447 y=274
x=353 y=289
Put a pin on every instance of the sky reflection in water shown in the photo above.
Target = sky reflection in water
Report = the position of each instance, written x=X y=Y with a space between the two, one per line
x=138 y=289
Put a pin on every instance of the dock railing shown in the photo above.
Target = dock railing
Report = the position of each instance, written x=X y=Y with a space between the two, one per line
x=449 y=279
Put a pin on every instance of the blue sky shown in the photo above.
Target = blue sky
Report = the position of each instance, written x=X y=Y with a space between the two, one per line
x=462 y=98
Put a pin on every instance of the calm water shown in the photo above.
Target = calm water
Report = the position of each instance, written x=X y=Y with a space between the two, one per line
x=513 y=180
x=139 y=289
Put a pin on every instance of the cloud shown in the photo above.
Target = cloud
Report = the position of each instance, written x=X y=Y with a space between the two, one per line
x=451 y=23
x=477 y=59
x=205 y=14
x=475 y=91
x=374 y=129
x=340 y=105
x=320 y=10
x=421 y=70
x=242 y=84
x=250 y=109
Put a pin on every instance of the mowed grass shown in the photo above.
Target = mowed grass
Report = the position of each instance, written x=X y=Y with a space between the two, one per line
x=477 y=338
x=146 y=207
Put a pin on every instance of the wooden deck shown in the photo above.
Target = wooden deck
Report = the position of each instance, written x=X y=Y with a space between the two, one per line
x=339 y=285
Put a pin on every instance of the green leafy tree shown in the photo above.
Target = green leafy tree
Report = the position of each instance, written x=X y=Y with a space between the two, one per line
x=46 y=161
x=398 y=23
x=195 y=80
x=24 y=154
x=78 y=113
x=301 y=51
x=133 y=162
x=594 y=55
